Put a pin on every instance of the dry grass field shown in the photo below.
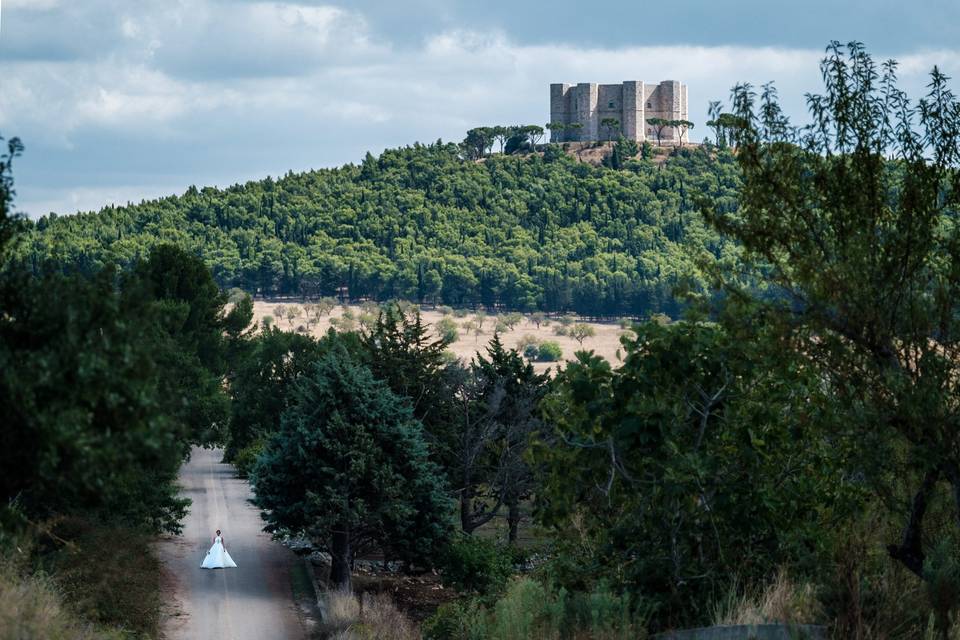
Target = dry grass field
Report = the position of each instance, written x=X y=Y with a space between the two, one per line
x=605 y=342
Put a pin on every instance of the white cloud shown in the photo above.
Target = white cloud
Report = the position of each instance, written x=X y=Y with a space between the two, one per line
x=269 y=86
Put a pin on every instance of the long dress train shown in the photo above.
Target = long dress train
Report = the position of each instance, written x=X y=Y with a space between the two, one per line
x=217 y=557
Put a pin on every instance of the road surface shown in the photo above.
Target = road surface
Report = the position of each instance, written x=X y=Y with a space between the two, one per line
x=252 y=602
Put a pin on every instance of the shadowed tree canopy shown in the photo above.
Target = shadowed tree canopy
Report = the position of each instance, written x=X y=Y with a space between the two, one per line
x=852 y=220
x=350 y=468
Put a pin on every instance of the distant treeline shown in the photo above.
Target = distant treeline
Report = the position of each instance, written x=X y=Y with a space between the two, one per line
x=424 y=223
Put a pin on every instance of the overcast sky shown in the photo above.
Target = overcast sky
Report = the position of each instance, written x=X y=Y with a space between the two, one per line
x=119 y=100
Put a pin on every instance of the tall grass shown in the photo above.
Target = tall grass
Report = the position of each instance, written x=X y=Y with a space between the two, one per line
x=781 y=600
x=367 y=617
x=533 y=611
x=31 y=607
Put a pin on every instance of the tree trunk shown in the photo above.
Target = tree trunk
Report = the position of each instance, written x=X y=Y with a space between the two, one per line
x=340 y=578
x=513 y=519
x=466 y=510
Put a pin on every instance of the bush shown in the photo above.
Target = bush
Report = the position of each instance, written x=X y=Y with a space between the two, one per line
x=476 y=565
x=550 y=352
x=445 y=310
x=530 y=609
x=247 y=457
x=458 y=620
x=531 y=352
x=447 y=330
x=559 y=330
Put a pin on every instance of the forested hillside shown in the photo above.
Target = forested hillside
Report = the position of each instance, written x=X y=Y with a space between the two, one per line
x=421 y=223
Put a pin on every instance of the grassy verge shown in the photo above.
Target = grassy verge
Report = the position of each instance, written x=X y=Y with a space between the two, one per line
x=33 y=607
x=105 y=574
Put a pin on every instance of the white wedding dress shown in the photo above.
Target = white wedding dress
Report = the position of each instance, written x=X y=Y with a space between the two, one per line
x=217 y=557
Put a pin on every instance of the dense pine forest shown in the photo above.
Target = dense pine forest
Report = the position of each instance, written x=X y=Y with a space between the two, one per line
x=537 y=231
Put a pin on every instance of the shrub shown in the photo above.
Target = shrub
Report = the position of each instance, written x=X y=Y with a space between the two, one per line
x=550 y=352
x=526 y=341
x=529 y=609
x=458 y=620
x=447 y=329
x=460 y=313
x=531 y=352
x=476 y=565
x=246 y=457
x=445 y=310
x=559 y=330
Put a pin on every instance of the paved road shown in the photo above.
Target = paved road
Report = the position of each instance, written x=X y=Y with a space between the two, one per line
x=252 y=602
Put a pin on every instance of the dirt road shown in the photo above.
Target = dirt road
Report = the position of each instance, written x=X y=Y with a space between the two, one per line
x=252 y=602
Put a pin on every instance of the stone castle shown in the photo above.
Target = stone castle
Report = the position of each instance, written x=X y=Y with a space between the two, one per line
x=630 y=103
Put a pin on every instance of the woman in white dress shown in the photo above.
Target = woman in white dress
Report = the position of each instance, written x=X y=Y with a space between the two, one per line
x=217 y=557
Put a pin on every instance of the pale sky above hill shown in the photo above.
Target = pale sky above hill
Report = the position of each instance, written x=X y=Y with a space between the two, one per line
x=118 y=100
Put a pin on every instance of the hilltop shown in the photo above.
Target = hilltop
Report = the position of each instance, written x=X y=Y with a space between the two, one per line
x=535 y=231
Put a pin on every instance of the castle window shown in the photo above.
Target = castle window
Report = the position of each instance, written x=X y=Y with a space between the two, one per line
x=649 y=106
x=610 y=104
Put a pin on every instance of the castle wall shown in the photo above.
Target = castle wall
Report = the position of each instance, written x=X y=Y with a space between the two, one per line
x=631 y=103
x=559 y=110
x=586 y=110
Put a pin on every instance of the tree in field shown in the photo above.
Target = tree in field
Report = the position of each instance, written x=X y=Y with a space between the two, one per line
x=447 y=328
x=280 y=312
x=537 y=318
x=681 y=126
x=852 y=219
x=658 y=124
x=611 y=126
x=349 y=467
x=580 y=331
x=292 y=312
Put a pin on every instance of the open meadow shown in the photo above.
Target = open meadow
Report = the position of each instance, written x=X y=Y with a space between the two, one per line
x=605 y=342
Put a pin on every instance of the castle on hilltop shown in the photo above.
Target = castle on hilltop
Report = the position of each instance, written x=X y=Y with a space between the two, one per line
x=631 y=104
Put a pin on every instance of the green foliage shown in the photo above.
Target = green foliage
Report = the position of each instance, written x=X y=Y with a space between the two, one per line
x=476 y=565
x=623 y=150
x=941 y=572
x=854 y=219
x=447 y=328
x=696 y=431
x=245 y=458
x=457 y=620
x=349 y=466
x=549 y=351
x=580 y=331
x=92 y=404
x=530 y=609
x=513 y=232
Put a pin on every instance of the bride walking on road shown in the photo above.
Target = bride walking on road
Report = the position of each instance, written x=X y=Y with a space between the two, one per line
x=217 y=557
